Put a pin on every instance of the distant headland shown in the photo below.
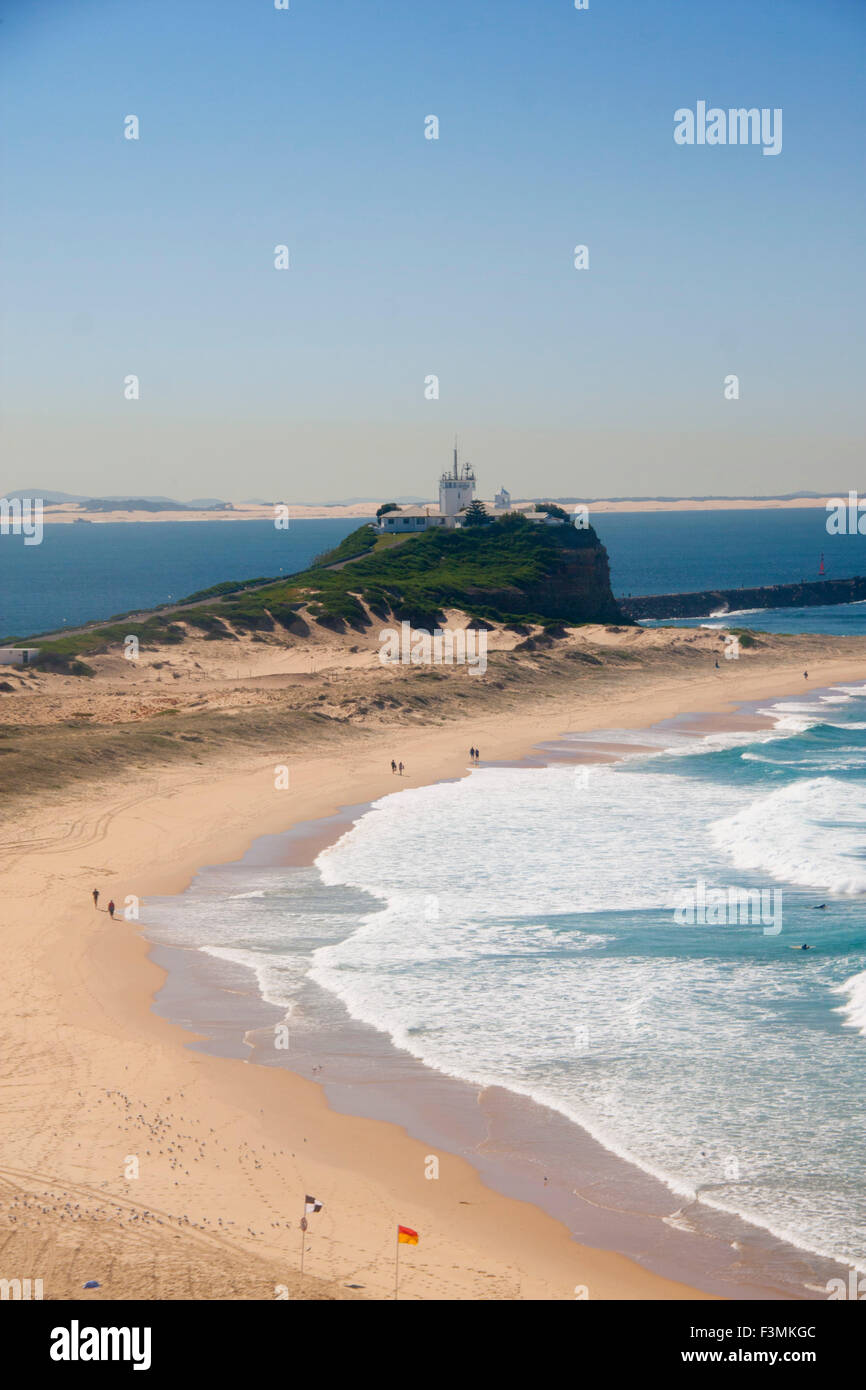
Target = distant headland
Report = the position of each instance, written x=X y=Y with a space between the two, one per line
x=67 y=508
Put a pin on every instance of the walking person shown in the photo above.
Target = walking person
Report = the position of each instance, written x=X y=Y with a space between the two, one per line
x=111 y=908
x=96 y=897
x=400 y=765
x=393 y=766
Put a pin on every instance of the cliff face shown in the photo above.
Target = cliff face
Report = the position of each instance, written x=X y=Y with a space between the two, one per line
x=589 y=595
x=511 y=570
x=577 y=590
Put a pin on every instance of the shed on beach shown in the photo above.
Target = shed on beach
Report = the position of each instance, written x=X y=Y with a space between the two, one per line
x=17 y=656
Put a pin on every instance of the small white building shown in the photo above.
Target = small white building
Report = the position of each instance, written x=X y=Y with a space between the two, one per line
x=17 y=656
x=456 y=491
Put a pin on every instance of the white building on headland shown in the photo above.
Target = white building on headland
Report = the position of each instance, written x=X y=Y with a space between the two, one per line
x=456 y=491
x=18 y=656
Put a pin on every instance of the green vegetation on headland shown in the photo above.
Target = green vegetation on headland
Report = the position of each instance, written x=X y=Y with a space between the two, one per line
x=512 y=571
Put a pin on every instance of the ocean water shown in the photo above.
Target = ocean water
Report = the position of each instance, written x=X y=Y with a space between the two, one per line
x=680 y=552
x=517 y=929
x=83 y=573
x=839 y=619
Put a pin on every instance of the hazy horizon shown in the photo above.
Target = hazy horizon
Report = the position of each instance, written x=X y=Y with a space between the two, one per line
x=64 y=497
x=412 y=257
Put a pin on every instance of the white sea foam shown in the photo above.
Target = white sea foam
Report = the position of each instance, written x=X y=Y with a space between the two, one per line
x=680 y=741
x=734 y=612
x=642 y=738
x=505 y=986
x=855 y=1009
x=784 y=707
x=823 y=762
x=793 y=716
x=810 y=832
x=407 y=843
x=277 y=975
x=524 y=938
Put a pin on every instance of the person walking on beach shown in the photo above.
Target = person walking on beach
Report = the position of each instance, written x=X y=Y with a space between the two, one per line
x=111 y=908
x=96 y=897
x=400 y=765
x=393 y=766
x=472 y=755
x=477 y=755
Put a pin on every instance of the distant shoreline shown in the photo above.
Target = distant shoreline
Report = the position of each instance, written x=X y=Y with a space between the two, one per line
x=66 y=513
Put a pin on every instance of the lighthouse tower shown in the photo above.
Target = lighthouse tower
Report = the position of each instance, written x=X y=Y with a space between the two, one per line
x=457 y=488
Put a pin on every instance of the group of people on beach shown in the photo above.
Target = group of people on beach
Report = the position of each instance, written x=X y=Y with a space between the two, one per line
x=110 y=903
x=397 y=768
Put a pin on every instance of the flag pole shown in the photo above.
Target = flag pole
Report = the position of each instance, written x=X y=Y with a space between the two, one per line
x=303 y=1241
x=397 y=1268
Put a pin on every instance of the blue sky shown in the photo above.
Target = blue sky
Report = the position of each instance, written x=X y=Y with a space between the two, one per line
x=411 y=257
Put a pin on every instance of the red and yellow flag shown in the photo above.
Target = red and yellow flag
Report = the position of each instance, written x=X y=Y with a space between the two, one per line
x=406 y=1236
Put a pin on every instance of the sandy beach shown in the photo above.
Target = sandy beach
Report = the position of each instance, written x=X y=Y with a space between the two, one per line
x=66 y=513
x=129 y=1158
x=432 y=679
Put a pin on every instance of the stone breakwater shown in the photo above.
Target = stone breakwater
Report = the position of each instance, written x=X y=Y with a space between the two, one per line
x=808 y=594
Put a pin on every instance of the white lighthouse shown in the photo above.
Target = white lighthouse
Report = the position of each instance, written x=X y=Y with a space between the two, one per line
x=456 y=489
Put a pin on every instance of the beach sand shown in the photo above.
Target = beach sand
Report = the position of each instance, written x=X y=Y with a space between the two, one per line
x=66 y=513
x=98 y=1087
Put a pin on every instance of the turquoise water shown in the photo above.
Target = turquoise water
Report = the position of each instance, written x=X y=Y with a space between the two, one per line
x=840 y=619
x=529 y=928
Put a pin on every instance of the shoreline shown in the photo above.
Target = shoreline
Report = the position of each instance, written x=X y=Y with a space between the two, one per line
x=497 y=1129
x=67 y=513
x=90 y=985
